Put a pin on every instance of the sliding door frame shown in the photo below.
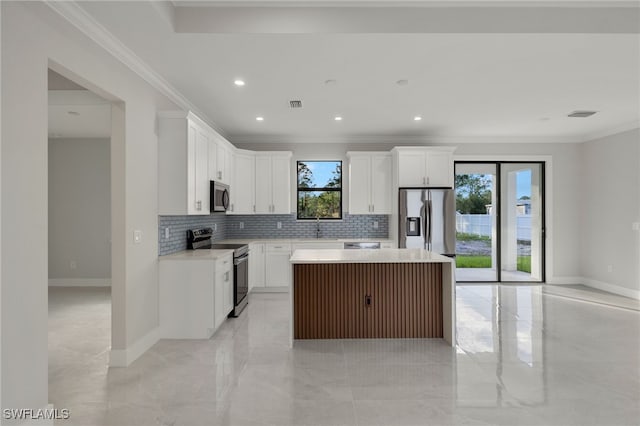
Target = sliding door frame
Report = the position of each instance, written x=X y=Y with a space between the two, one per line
x=543 y=212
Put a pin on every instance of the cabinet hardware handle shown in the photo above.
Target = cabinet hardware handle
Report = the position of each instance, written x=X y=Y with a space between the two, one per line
x=367 y=301
x=373 y=208
x=424 y=181
x=254 y=208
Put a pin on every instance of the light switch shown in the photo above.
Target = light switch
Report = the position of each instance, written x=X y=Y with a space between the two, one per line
x=166 y=233
x=241 y=225
x=375 y=225
x=279 y=225
x=137 y=236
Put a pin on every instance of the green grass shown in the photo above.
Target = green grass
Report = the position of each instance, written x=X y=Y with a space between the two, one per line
x=461 y=236
x=524 y=262
x=473 y=261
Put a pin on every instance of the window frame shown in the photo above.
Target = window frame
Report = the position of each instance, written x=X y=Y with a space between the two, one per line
x=318 y=189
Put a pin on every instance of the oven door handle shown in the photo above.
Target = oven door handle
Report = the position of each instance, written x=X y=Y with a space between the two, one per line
x=238 y=260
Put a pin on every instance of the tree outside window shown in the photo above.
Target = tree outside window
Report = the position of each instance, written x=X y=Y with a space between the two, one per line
x=319 y=190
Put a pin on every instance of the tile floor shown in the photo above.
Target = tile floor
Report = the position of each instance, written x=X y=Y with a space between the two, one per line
x=523 y=358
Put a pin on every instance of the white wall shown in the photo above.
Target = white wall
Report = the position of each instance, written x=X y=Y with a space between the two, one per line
x=34 y=38
x=610 y=204
x=562 y=231
x=79 y=211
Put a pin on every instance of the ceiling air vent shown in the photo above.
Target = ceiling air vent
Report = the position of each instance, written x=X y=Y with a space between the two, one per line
x=582 y=114
x=295 y=104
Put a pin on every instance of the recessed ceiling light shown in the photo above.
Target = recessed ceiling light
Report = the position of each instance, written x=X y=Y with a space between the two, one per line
x=402 y=82
x=239 y=82
x=417 y=118
x=73 y=113
x=259 y=118
x=337 y=118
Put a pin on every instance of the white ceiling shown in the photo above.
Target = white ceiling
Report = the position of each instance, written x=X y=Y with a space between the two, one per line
x=476 y=71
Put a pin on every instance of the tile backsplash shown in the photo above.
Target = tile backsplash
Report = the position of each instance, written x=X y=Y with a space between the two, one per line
x=266 y=226
x=178 y=226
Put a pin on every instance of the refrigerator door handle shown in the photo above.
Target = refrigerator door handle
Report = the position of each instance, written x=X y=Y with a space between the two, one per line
x=426 y=219
x=430 y=213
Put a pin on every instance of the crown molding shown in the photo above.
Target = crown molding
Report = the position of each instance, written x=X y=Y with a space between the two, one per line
x=90 y=27
x=400 y=140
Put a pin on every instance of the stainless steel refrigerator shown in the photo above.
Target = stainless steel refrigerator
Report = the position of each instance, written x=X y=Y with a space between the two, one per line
x=428 y=220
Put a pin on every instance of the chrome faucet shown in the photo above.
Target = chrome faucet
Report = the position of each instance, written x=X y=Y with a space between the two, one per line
x=317 y=227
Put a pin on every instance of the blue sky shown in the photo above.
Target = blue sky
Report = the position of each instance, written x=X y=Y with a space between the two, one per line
x=321 y=172
x=523 y=183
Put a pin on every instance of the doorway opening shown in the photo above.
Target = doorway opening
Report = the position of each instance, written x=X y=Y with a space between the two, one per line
x=500 y=221
x=80 y=234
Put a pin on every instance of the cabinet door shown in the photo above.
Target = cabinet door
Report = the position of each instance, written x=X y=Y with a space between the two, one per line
x=360 y=185
x=228 y=288
x=256 y=265
x=202 y=172
x=281 y=185
x=213 y=159
x=439 y=167
x=243 y=189
x=221 y=162
x=263 y=184
x=411 y=169
x=381 y=197
x=278 y=268
x=198 y=170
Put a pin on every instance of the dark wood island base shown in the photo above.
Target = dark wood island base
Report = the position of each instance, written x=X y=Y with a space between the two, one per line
x=367 y=300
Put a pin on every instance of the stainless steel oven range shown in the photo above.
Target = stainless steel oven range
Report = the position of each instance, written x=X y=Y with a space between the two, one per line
x=200 y=239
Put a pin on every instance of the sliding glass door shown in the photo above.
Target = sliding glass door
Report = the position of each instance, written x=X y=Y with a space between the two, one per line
x=500 y=222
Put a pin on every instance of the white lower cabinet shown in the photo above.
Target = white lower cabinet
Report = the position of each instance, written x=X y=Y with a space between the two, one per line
x=256 y=265
x=195 y=296
x=224 y=289
x=278 y=268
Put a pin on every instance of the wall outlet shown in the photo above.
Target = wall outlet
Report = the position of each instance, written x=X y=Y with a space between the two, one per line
x=73 y=265
x=137 y=236
x=279 y=225
x=241 y=225
x=215 y=226
x=166 y=233
x=609 y=268
x=375 y=225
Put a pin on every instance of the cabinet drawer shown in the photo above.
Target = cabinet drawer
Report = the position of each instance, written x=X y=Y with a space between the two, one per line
x=278 y=247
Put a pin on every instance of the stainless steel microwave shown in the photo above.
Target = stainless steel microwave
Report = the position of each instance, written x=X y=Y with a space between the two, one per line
x=219 y=197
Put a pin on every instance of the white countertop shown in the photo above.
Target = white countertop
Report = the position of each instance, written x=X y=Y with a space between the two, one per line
x=197 y=255
x=302 y=240
x=368 y=256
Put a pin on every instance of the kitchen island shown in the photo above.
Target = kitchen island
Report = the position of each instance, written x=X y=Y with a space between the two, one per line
x=387 y=293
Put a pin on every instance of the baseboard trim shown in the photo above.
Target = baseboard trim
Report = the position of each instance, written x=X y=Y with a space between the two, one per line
x=124 y=357
x=79 y=282
x=564 y=280
x=612 y=288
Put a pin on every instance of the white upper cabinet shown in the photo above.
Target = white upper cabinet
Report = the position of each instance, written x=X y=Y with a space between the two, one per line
x=183 y=175
x=424 y=167
x=243 y=190
x=221 y=161
x=273 y=183
x=370 y=179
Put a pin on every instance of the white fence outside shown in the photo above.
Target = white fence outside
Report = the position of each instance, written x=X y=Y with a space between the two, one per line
x=480 y=224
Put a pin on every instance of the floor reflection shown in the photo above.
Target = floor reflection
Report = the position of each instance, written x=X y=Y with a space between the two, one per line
x=500 y=328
